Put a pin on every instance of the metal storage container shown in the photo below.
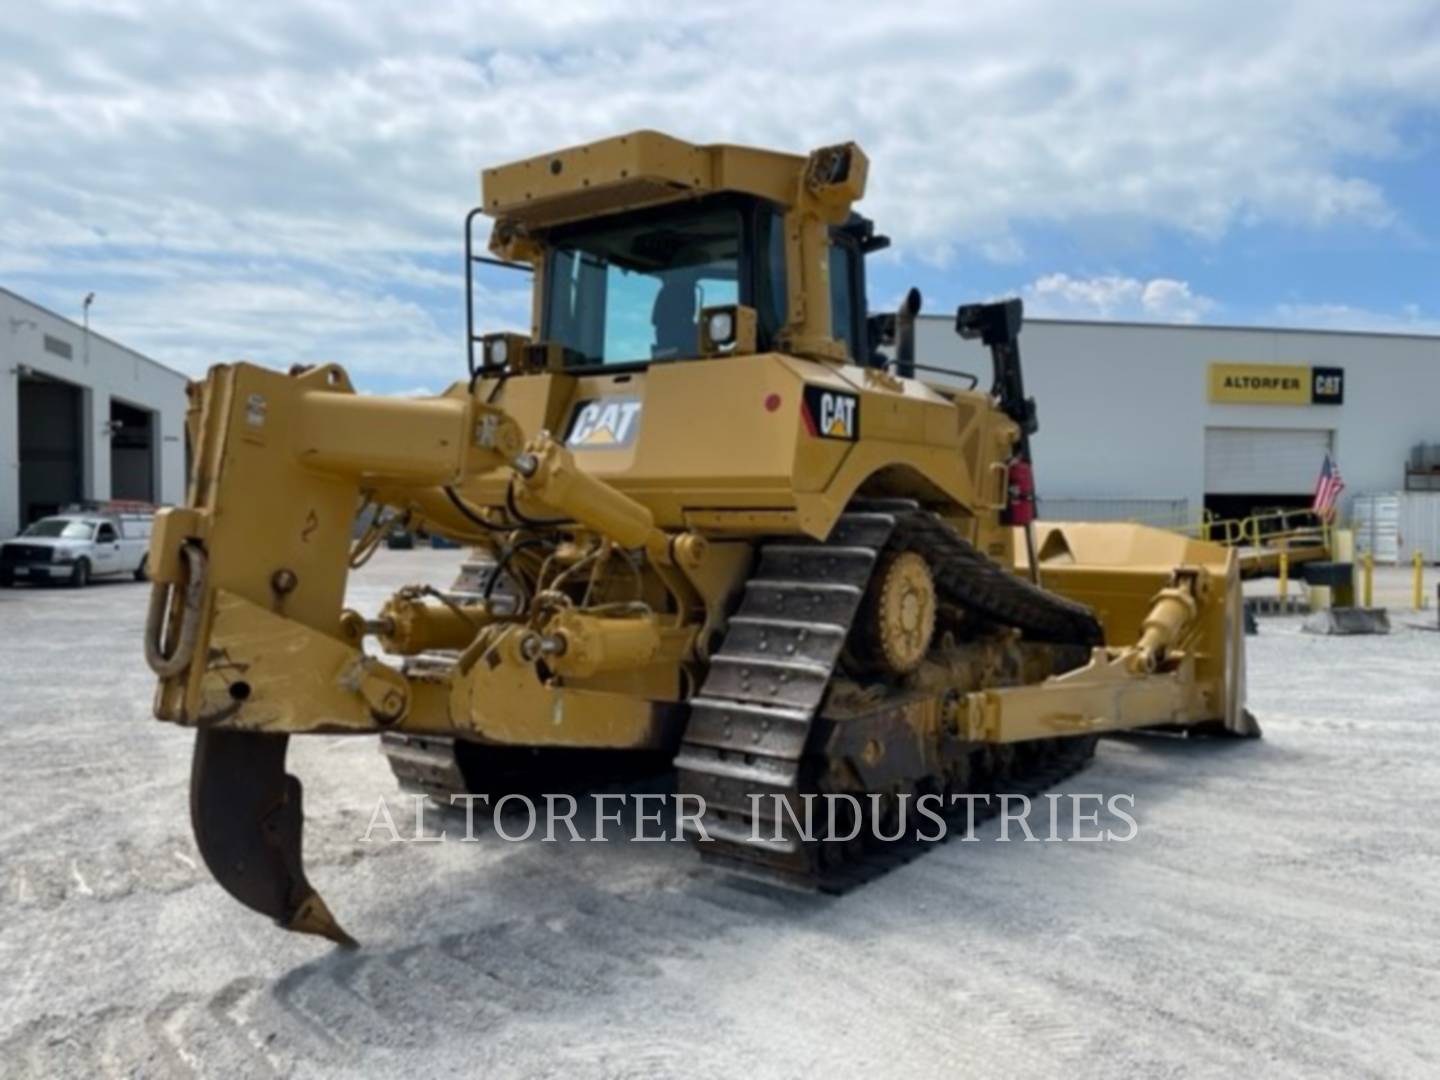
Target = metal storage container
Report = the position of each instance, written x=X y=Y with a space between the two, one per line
x=1395 y=525
x=1376 y=521
x=1420 y=525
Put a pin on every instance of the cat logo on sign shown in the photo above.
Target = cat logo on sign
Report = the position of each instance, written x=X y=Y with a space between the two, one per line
x=608 y=423
x=831 y=414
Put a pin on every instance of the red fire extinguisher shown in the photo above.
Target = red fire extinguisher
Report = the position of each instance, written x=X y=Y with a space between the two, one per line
x=1021 y=491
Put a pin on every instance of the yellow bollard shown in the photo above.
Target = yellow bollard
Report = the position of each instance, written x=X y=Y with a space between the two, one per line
x=1419 y=590
x=1284 y=574
x=1368 y=589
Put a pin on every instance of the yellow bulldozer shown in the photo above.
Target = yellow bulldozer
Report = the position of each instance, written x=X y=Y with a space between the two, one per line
x=717 y=519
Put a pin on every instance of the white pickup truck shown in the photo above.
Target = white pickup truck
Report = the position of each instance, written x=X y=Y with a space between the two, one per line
x=77 y=547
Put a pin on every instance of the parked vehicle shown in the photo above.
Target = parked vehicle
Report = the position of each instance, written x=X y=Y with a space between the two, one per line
x=78 y=547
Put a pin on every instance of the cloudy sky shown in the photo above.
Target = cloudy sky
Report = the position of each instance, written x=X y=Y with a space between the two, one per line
x=286 y=181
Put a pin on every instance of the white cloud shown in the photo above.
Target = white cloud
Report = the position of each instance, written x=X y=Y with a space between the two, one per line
x=384 y=340
x=331 y=150
x=1114 y=296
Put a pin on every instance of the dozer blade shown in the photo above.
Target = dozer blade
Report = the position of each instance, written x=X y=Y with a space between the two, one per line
x=248 y=819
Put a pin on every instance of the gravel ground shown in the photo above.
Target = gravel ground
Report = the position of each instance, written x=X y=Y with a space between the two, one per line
x=1276 y=914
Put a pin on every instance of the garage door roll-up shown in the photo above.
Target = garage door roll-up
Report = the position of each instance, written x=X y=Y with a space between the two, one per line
x=1263 y=461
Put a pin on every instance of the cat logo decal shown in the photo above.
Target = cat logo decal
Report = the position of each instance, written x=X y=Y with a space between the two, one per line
x=608 y=423
x=831 y=414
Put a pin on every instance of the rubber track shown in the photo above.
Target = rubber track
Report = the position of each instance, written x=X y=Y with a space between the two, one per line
x=967 y=577
x=805 y=872
x=751 y=736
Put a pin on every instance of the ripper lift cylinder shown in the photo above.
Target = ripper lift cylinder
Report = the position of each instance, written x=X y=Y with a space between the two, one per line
x=409 y=625
x=577 y=645
x=548 y=473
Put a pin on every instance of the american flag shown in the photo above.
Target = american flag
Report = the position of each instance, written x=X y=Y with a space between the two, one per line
x=1328 y=487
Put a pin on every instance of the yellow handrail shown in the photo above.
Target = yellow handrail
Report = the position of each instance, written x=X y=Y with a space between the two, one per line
x=1284 y=529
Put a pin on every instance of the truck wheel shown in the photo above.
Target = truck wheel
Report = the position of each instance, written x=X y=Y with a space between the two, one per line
x=80 y=576
x=142 y=572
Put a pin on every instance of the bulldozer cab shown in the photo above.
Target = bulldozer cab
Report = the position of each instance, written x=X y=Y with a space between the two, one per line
x=626 y=290
x=636 y=242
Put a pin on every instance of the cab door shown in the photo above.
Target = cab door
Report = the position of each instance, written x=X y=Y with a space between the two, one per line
x=107 y=549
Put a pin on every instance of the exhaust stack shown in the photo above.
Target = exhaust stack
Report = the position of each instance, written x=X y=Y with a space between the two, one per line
x=905 y=334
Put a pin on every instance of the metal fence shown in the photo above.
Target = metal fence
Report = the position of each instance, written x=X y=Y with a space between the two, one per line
x=1161 y=513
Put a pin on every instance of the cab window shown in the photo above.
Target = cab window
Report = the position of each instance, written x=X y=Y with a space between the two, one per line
x=106 y=534
x=772 y=289
x=844 y=257
x=64 y=528
x=631 y=291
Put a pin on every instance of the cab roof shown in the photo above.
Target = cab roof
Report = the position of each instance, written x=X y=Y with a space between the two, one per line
x=645 y=168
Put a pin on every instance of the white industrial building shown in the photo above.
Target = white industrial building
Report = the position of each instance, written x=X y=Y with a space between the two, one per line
x=1144 y=422
x=1159 y=423
x=81 y=418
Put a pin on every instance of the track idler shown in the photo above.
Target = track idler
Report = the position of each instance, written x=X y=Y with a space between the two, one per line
x=248 y=819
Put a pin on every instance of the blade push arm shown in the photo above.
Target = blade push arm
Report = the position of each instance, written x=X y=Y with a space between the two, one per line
x=1153 y=682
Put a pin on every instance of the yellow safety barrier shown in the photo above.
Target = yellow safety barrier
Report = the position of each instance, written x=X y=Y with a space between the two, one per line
x=1367 y=564
x=1284 y=574
x=1294 y=536
x=1268 y=528
x=1419 y=589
